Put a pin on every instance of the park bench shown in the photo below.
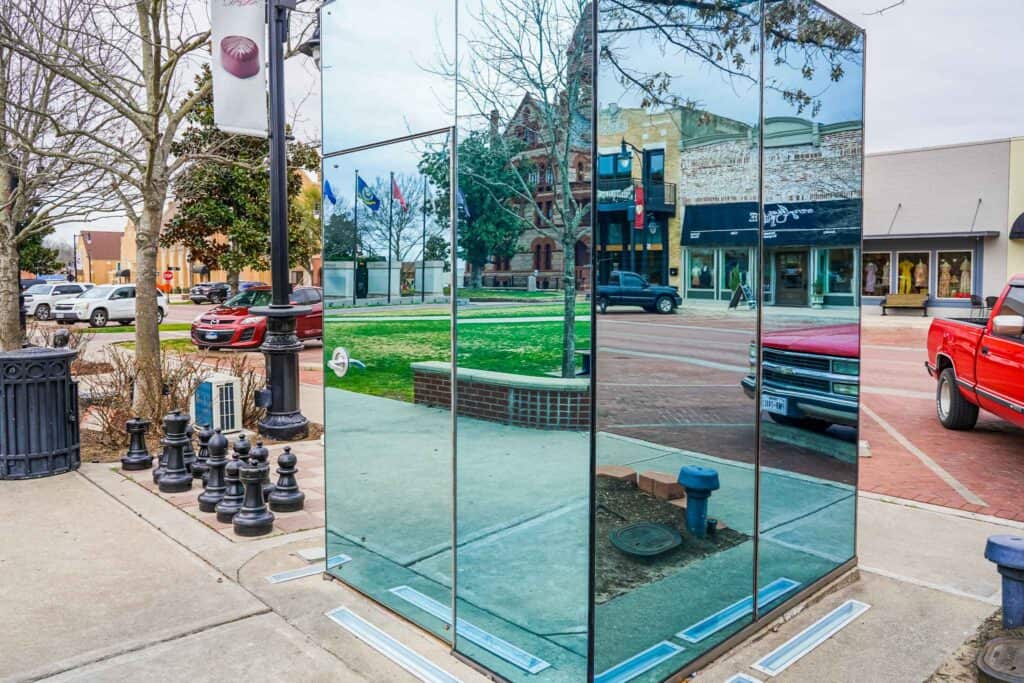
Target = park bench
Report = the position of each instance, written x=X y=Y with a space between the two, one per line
x=914 y=301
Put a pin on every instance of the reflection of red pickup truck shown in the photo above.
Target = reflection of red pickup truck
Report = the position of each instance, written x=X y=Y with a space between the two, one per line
x=980 y=363
x=811 y=375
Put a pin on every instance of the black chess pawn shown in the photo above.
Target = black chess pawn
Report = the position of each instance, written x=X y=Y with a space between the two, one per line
x=175 y=478
x=286 y=496
x=217 y=448
x=233 y=493
x=261 y=457
x=253 y=518
x=138 y=456
x=200 y=469
x=190 y=451
x=241 y=448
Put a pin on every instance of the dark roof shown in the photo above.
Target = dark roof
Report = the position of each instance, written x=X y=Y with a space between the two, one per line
x=102 y=246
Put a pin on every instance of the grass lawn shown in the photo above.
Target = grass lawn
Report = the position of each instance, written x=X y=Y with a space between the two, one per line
x=501 y=294
x=388 y=349
x=174 y=345
x=512 y=311
x=166 y=327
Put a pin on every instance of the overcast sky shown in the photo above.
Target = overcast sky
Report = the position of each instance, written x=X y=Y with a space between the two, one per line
x=938 y=72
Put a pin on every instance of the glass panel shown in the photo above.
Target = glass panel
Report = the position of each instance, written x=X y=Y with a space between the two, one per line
x=523 y=443
x=388 y=442
x=810 y=343
x=954 y=275
x=913 y=268
x=877 y=272
x=670 y=394
x=385 y=79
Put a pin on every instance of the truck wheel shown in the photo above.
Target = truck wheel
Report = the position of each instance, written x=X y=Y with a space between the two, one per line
x=602 y=304
x=98 y=318
x=664 y=304
x=159 y=316
x=42 y=312
x=955 y=411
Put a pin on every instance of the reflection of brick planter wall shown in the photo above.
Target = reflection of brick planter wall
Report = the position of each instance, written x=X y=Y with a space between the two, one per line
x=535 y=402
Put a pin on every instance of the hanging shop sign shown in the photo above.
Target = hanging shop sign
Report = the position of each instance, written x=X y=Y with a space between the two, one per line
x=239 y=43
x=834 y=222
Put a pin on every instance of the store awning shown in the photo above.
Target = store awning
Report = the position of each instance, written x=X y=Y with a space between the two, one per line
x=1017 y=229
x=976 y=234
x=826 y=223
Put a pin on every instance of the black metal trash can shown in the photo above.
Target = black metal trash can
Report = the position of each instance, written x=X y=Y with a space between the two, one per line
x=39 y=423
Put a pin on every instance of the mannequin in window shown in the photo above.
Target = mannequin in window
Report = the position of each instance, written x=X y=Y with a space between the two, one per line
x=965 y=276
x=906 y=276
x=695 y=276
x=921 y=275
x=870 y=277
x=944 y=278
x=705 y=277
x=885 y=278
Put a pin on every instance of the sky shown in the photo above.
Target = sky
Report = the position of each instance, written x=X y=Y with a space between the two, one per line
x=938 y=72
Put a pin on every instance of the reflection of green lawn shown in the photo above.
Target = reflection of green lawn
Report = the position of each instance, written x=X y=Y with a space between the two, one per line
x=500 y=294
x=492 y=311
x=388 y=349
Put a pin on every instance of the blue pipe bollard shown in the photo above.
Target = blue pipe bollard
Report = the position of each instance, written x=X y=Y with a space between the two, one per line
x=1008 y=554
x=699 y=482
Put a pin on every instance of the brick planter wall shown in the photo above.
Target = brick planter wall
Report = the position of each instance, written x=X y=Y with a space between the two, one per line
x=535 y=402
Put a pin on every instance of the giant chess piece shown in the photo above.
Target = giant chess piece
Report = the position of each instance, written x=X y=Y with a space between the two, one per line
x=253 y=519
x=200 y=469
x=190 y=451
x=261 y=458
x=175 y=478
x=138 y=456
x=161 y=464
x=217 y=448
x=286 y=496
x=231 y=503
x=241 y=448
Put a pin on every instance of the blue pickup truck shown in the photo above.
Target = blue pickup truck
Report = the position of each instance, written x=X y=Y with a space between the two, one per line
x=631 y=289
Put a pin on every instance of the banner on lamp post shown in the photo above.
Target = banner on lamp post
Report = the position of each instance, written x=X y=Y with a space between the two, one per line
x=239 y=43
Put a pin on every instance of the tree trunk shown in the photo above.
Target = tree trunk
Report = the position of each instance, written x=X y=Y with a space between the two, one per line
x=149 y=382
x=569 y=286
x=476 y=276
x=10 y=286
x=233 y=281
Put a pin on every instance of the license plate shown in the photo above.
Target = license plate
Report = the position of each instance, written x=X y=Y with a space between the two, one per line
x=60 y=316
x=774 y=404
x=211 y=336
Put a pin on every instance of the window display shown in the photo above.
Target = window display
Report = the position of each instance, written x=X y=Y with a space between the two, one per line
x=876 y=274
x=702 y=268
x=736 y=268
x=840 y=271
x=954 y=275
x=914 y=268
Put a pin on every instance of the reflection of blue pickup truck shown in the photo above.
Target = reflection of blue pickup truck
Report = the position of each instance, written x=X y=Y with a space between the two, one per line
x=630 y=289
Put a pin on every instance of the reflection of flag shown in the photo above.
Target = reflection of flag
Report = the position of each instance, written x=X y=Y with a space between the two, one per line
x=460 y=204
x=396 y=194
x=368 y=196
x=329 y=193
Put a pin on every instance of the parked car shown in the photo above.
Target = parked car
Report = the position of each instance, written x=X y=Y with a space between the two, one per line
x=231 y=325
x=630 y=289
x=214 y=292
x=41 y=298
x=100 y=305
x=811 y=376
x=979 y=363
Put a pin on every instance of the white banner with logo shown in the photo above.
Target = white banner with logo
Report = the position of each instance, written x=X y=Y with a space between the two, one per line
x=239 y=44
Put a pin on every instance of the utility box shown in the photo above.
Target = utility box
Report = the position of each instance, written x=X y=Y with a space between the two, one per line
x=217 y=402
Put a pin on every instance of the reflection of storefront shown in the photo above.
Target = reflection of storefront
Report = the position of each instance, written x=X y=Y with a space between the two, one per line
x=720 y=244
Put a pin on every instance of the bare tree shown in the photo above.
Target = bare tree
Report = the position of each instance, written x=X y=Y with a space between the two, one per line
x=526 y=73
x=46 y=138
x=134 y=58
x=403 y=225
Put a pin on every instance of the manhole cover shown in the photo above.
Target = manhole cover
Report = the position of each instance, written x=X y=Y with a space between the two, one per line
x=1002 y=659
x=645 y=539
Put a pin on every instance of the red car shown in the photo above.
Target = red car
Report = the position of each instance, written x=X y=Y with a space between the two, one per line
x=230 y=326
x=979 y=363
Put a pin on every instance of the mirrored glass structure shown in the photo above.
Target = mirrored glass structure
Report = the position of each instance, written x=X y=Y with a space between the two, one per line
x=592 y=313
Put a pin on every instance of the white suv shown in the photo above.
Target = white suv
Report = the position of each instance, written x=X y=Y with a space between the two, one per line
x=102 y=304
x=40 y=299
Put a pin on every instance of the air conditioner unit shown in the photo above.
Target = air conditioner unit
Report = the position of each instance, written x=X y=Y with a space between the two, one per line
x=217 y=402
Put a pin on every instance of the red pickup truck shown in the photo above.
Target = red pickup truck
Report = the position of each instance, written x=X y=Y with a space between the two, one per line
x=980 y=363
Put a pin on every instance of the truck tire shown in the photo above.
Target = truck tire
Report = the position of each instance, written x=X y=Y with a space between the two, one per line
x=954 y=411
x=159 y=316
x=602 y=304
x=664 y=304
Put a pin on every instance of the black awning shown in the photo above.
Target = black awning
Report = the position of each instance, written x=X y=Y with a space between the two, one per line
x=827 y=223
x=1017 y=229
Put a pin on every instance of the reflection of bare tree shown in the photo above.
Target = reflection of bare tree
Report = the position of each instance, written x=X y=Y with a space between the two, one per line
x=404 y=225
x=724 y=34
x=526 y=69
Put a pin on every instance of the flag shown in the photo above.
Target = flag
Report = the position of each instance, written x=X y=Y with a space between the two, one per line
x=396 y=194
x=460 y=204
x=367 y=195
x=329 y=193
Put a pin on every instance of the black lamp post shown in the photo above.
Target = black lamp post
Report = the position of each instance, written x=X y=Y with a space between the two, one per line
x=284 y=420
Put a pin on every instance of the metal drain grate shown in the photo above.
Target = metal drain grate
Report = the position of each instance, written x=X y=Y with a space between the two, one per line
x=645 y=539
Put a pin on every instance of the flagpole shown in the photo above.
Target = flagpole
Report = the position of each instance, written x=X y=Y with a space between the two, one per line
x=355 y=237
x=391 y=211
x=423 y=241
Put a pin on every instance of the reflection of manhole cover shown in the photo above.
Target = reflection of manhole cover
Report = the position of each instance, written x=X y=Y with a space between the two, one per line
x=1002 y=659
x=645 y=539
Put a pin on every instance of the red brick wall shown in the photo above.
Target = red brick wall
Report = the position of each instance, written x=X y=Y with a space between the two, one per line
x=537 y=408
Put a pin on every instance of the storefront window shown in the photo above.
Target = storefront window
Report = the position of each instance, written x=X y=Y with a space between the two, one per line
x=914 y=269
x=955 y=268
x=840 y=271
x=735 y=268
x=875 y=278
x=702 y=268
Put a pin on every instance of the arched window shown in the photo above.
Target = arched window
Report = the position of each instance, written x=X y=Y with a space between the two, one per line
x=536 y=257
